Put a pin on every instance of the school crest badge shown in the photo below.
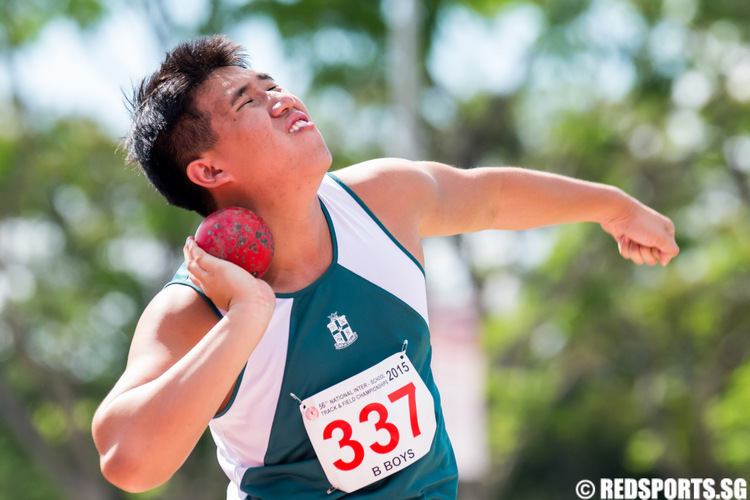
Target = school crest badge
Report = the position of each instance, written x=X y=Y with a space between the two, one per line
x=343 y=335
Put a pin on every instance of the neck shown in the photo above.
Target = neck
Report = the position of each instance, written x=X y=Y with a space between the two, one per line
x=303 y=250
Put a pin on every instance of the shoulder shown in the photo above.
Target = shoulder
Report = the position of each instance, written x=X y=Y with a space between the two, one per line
x=399 y=192
x=435 y=198
x=178 y=303
x=393 y=186
x=175 y=320
x=384 y=175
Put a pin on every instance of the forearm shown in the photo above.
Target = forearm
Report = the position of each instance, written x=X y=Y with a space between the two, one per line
x=145 y=433
x=526 y=199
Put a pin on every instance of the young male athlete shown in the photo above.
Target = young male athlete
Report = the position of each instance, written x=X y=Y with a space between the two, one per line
x=315 y=380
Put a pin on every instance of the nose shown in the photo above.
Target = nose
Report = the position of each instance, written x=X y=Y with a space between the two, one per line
x=282 y=103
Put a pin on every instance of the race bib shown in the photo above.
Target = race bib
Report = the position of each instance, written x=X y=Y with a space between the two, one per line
x=371 y=425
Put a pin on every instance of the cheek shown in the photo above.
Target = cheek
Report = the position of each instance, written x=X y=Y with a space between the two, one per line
x=250 y=144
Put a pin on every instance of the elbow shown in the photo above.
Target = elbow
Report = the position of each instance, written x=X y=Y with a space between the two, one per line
x=125 y=464
x=128 y=472
x=122 y=473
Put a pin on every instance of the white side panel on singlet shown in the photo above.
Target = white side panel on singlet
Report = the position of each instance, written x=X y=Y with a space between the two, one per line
x=260 y=385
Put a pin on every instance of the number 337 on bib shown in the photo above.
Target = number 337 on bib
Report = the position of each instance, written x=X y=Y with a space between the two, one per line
x=371 y=425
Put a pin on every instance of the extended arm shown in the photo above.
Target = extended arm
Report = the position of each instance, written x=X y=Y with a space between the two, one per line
x=442 y=200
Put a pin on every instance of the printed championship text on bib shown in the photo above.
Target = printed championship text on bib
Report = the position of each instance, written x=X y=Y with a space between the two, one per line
x=371 y=425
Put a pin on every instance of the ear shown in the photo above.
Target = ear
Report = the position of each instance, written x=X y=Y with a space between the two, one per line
x=203 y=173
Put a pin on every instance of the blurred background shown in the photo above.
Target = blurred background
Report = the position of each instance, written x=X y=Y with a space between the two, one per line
x=564 y=362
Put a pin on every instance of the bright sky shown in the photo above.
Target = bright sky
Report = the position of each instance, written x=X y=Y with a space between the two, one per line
x=71 y=72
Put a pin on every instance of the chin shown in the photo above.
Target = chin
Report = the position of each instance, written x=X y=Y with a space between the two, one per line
x=326 y=158
x=317 y=157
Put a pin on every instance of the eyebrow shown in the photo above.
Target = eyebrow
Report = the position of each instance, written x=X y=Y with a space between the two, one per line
x=260 y=76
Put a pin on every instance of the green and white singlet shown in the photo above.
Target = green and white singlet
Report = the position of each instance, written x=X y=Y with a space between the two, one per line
x=359 y=312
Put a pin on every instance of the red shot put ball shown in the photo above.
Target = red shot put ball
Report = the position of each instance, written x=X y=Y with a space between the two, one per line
x=238 y=235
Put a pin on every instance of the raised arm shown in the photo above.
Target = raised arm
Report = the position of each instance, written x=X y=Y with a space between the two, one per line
x=183 y=363
x=442 y=200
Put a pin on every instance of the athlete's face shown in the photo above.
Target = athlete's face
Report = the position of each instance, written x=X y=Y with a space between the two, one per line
x=265 y=133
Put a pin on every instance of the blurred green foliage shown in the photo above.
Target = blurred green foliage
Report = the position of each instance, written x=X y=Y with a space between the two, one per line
x=601 y=368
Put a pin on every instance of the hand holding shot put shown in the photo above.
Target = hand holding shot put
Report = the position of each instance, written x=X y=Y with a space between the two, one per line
x=227 y=284
x=231 y=250
x=346 y=292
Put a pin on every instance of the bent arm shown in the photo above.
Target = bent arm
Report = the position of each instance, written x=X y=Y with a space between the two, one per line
x=181 y=366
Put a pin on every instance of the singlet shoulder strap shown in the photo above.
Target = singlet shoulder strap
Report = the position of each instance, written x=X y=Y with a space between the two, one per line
x=182 y=277
x=334 y=188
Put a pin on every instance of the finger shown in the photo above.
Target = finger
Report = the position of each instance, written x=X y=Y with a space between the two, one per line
x=198 y=255
x=648 y=256
x=630 y=250
x=624 y=247
x=189 y=241
x=667 y=257
x=669 y=253
x=189 y=252
x=186 y=254
x=194 y=257
x=635 y=253
x=656 y=254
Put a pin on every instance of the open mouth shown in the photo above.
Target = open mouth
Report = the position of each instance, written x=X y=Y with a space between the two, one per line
x=298 y=121
x=297 y=125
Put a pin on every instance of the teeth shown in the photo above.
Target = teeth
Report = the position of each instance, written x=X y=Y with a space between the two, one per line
x=297 y=125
